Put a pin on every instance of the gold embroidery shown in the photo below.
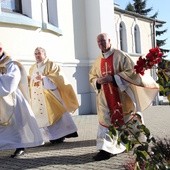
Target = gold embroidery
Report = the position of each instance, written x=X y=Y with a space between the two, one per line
x=3 y=70
x=37 y=84
x=7 y=122
x=7 y=111
x=108 y=72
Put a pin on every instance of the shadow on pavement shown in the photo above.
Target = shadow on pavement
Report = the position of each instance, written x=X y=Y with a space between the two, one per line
x=25 y=163
x=64 y=145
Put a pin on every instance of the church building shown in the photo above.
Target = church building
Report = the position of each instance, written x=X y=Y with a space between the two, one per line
x=67 y=29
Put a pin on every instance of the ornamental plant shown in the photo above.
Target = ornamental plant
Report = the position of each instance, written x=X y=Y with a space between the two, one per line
x=163 y=80
x=149 y=153
x=152 y=58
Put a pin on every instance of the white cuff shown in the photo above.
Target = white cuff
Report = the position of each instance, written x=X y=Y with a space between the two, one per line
x=121 y=83
x=48 y=84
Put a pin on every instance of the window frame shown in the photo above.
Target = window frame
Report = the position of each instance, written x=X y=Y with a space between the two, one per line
x=25 y=19
x=122 y=36
x=137 y=39
x=17 y=9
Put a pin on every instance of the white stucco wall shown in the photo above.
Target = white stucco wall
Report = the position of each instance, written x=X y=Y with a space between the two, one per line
x=145 y=27
x=80 y=21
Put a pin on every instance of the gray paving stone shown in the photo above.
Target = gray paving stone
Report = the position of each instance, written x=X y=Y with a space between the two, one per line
x=76 y=153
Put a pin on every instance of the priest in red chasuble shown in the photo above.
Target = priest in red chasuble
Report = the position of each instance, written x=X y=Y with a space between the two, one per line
x=120 y=93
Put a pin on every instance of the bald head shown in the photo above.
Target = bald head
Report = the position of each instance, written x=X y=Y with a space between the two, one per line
x=103 y=41
x=103 y=35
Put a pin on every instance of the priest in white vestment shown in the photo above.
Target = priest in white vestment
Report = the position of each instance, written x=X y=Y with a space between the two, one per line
x=52 y=99
x=18 y=127
x=120 y=93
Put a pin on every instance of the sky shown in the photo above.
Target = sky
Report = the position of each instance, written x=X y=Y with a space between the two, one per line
x=162 y=8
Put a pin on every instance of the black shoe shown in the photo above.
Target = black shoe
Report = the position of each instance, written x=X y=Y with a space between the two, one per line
x=102 y=155
x=56 y=141
x=72 y=135
x=18 y=152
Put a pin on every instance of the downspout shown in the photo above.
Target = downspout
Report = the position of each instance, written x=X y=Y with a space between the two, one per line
x=154 y=34
x=153 y=71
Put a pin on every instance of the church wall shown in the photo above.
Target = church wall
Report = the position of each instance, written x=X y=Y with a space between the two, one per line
x=72 y=43
x=145 y=27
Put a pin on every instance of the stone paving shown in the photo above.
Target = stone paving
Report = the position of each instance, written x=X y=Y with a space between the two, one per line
x=76 y=153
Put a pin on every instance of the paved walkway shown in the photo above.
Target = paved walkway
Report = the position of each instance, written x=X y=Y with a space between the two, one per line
x=76 y=154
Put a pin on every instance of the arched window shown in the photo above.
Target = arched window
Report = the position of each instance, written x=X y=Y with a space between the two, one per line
x=11 y=5
x=137 y=39
x=123 y=37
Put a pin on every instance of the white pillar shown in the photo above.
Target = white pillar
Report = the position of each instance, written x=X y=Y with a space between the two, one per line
x=99 y=18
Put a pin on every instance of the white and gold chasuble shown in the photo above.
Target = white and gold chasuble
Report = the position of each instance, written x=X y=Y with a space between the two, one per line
x=38 y=99
x=8 y=102
x=18 y=127
x=52 y=97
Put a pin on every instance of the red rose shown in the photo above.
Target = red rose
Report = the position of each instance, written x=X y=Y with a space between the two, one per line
x=152 y=58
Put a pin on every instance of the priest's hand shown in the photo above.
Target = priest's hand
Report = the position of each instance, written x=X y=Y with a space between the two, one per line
x=39 y=76
x=105 y=79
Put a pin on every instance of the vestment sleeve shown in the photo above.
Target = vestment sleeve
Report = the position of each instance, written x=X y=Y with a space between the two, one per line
x=10 y=80
x=48 y=84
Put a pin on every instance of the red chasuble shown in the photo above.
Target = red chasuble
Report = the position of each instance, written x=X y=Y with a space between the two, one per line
x=111 y=92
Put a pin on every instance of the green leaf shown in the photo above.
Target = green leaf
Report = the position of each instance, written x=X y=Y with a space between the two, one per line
x=146 y=131
x=110 y=134
x=129 y=145
x=153 y=139
x=113 y=130
x=141 y=155
x=124 y=139
x=142 y=148
x=126 y=132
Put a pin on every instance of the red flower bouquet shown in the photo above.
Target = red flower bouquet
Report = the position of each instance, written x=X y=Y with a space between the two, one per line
x=152 y=58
